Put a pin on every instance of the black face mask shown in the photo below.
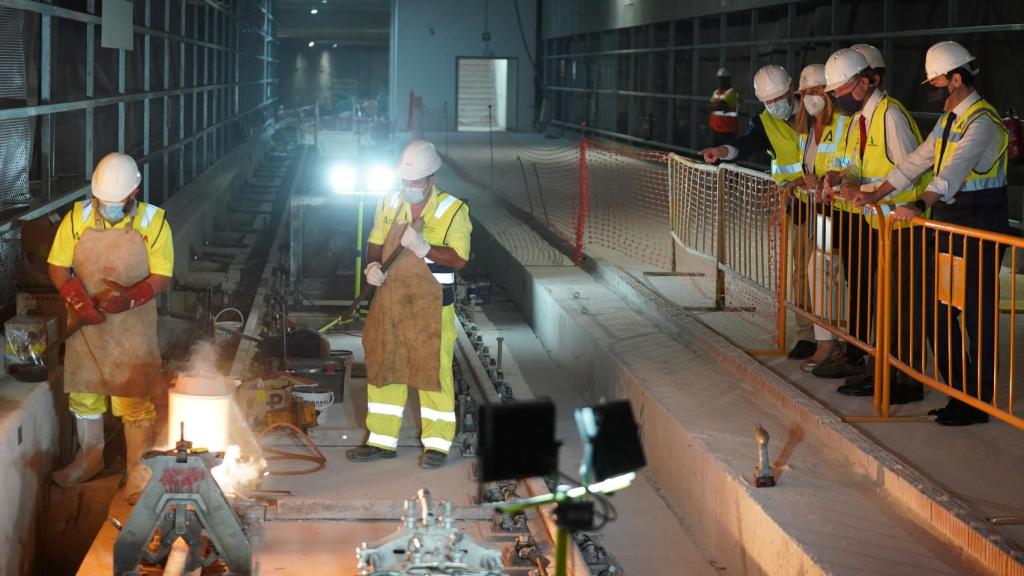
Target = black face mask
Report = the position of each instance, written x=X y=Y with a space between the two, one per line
x=849 y=104
x=724 y=83
x=937 y=98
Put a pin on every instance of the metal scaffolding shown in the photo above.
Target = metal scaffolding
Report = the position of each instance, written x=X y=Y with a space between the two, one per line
x=649 y=84
x=200 y=79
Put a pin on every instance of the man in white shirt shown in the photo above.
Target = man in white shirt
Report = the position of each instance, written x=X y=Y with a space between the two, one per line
x=967 y=151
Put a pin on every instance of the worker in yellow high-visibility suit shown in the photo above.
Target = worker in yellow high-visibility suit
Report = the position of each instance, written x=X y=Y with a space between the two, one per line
x=111 y=256
x=443 y=243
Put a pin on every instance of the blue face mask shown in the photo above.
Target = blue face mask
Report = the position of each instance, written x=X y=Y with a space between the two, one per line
x=112 y=212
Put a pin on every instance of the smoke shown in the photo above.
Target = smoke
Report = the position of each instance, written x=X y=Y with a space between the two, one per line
x=203 y=360
x=236 y=474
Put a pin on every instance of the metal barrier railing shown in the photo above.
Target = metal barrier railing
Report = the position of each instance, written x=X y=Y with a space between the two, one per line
x=950 y=301
x=730 y=216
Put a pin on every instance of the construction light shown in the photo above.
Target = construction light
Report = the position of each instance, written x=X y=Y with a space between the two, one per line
x=380 y=179
x=311 y=43
x=314 y=11
x=343 y=179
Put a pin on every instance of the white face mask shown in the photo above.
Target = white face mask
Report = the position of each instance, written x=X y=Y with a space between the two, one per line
x=814 y=104
x=782 y=109
x=412 y=195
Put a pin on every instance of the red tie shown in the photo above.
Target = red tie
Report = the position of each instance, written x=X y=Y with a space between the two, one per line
x=863 y=135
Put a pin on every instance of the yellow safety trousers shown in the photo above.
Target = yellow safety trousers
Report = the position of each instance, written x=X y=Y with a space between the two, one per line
x=89 y=405
x=386 y=404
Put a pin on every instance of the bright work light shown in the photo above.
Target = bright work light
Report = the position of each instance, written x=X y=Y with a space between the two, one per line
x=343 y=178
x=380 y=179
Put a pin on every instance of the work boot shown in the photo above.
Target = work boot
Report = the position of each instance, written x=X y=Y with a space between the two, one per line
x=431 y=459
x=369 y=453
x=88 y=461
x=138 y=439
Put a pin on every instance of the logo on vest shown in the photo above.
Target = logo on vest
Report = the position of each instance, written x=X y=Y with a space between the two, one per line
x=828 y=137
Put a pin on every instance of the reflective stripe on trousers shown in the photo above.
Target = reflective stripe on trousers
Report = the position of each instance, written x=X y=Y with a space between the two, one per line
x=386 y=403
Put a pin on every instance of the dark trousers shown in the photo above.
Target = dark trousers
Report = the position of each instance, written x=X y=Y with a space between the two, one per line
x=857 y=244
x=959 y=361
x=722 y=138
x=908 y=262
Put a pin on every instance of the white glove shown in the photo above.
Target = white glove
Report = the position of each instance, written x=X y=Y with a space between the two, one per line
x=375 y=275
x=413 y=240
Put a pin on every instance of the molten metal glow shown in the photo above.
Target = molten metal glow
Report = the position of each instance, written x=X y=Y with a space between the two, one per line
x=206 y=419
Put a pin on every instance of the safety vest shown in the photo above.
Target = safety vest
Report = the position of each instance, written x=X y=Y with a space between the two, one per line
x=995 y=176
x=720 y=121
x=436 y=223
x=876 y=164
x=832 y=143
x=785 y=150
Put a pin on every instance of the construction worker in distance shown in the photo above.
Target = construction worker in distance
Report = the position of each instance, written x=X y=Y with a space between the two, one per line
x=442 y=246
x=772 y=131
x=966 y=152
x=821 y=129
x=111 y=255
x=722 y=109
x=882 y=133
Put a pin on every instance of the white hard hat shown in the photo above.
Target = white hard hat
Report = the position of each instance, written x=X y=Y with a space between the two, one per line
x=419 y=160
x=945 y=57
x=770 y=82
x=871 y=54
x=116 y=176
x=813 y=75
x=841 y=66
x=723 y=73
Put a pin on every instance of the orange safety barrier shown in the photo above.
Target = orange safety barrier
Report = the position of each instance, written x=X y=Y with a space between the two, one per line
x=955 y=333
x=834 y=256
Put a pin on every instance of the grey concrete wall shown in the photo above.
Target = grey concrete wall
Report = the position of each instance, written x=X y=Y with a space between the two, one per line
x=428 y=35
x=28 y=449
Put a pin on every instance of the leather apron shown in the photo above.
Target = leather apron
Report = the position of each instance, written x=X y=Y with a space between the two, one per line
x=121 y=356
x=402 y=335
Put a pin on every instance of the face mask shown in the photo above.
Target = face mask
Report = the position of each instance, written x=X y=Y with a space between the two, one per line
x=112 y=212
x=413 y=195
x=782 y=109
x=848 y=103
x=814 y=104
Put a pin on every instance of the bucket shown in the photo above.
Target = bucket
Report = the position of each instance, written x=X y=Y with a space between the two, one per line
x=319 y=397
x=222 y=337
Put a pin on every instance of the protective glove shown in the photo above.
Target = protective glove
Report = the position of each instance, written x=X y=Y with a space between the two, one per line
x=413 y=241
x=74 y=293
x=121 y=298
x=375 y=275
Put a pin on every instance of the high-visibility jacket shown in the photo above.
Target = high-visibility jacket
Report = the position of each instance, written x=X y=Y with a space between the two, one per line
x=445 y=223
x=830 y=144
x=995 y=176
x=785 y=151
x=875 y=164
x=724 y=121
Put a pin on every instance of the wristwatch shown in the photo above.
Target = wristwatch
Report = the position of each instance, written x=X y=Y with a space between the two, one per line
x=921 y=205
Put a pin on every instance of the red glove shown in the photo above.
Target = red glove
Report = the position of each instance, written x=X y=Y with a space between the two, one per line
x=121 y=298
x=78 y=299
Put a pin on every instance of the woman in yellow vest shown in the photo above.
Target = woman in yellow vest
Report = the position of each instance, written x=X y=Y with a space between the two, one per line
x=966 y=151
x=822 y=134
x=771 y=132
x=881 y=134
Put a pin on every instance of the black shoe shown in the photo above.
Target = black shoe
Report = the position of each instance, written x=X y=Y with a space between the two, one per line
x=961 y=417
x=902 y=393
x=865 y=378
x=369 y=454
x=803 y=350
x=859 y=385
x=838 y=368
x=431 y=459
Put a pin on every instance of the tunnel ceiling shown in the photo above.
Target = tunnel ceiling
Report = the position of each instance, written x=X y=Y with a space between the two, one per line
x=350 y=22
